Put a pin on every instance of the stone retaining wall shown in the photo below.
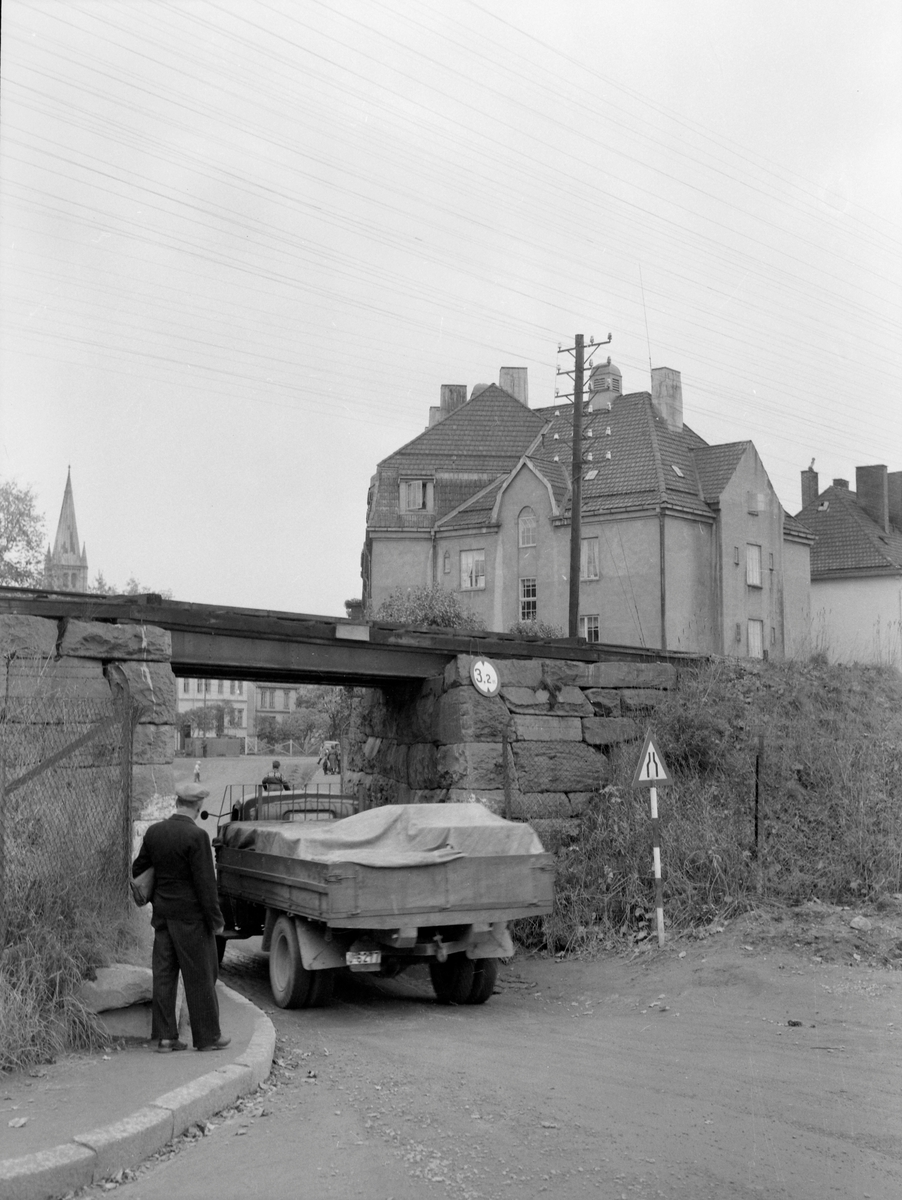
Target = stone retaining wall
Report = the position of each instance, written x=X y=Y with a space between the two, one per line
x=43 y=660
x=548 y=735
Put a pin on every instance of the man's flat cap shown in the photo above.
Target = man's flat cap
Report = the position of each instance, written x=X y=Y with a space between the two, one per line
x=191 y=793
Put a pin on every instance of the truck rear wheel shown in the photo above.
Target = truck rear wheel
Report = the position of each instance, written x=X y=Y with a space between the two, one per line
x=452 y=980
x=292 y=985
x=462 y=980
x=485 y=976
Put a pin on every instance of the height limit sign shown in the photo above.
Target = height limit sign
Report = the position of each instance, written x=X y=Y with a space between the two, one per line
x=652 y=773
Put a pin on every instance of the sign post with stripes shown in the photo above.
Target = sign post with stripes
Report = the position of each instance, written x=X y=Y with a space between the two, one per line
x=651 y=772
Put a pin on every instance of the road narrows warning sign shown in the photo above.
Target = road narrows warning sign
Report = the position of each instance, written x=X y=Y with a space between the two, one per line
x=650 y=771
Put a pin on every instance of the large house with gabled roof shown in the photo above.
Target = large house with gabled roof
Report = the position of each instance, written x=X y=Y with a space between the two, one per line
x=684 y=546
x=856 y=564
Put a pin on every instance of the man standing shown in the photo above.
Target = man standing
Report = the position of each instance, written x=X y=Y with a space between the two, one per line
x=275 y=781
x=186 y=918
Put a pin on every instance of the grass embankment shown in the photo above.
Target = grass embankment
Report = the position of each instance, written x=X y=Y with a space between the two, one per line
x=829 y=816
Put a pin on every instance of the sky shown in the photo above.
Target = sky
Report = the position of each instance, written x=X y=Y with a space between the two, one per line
x=243 y=243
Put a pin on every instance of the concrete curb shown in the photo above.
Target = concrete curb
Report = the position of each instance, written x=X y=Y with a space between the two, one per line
x=92 y=1156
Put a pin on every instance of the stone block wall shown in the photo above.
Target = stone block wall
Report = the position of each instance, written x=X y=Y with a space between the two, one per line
x=539 y=749
x=43 y=660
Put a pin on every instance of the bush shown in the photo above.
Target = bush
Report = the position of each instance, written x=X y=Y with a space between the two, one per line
x=830 y=808
x=537 y=629
x=429 y=607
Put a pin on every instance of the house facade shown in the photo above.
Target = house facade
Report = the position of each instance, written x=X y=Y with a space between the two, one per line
x=246 y=702
x=684 y=546
x=856 y=565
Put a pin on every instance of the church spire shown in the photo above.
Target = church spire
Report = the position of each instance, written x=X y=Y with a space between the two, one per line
x=66 y=565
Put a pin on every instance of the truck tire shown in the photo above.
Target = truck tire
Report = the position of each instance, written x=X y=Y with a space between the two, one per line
x=485 y=976
x=452 y=980
x=292 y=985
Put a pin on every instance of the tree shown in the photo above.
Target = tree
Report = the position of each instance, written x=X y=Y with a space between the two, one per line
x=431 y=607
x=100 y=586
x=21 y=537
x=207 y=717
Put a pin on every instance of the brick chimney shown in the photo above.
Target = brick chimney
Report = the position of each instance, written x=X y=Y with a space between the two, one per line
x=809 y=486
x=894 y=491
x=873 y=494
x=667 y=396
x=514 y=380
x=452 y=396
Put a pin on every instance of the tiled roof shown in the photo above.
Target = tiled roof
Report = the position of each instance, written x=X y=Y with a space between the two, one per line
x=847 y=539
x=715 y=466
x=493 y=426
x=637 y=461
x=643 y=453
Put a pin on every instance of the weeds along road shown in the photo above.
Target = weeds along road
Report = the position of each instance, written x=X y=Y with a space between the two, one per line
x=660 y=1076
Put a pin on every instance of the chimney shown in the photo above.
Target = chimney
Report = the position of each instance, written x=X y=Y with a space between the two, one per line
x=809 y=486
x=894 y=494
x=841 y=483
x=667 y=396
x=513 y=380
x=453 y=395
x=873 y=494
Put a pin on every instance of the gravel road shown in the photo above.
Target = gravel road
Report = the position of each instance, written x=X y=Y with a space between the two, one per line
x=712 y=1069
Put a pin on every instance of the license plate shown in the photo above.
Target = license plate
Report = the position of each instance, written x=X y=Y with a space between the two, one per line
x=363 y=958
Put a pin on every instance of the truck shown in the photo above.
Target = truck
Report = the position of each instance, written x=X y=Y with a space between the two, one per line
x=377 y=891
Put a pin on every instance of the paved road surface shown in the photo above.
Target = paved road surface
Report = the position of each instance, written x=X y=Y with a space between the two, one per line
x=661 y=1076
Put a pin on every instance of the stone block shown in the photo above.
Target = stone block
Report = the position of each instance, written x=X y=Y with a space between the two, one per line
x=54 y=679
x=568 y=702
x=552 y=766
x=555 y=833
x=470 y=765
x=151 y=783
x=23 y=636
x=520 y=673
x=116 y=987
x=198 y=1100
x=153 y=744
x=128 y=1141
x=609 y=731
x=101 y=640
x=604 y=701
x=134 y=1021
x=531 y=805
x=580 y=801
x=626 y=675
x=632 y=699
x=492 y=800
x=463 y=715
x=152 y=685
x=47 y=1173
x=547 y=729
x=422 y=770
x=371 y=748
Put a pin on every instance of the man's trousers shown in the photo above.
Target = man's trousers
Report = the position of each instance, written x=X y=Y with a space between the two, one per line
x=190 y=948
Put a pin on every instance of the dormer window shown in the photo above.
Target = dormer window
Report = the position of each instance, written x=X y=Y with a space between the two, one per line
x=416 y=495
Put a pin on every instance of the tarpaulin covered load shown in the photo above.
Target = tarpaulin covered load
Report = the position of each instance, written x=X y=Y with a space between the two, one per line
x=396 y=835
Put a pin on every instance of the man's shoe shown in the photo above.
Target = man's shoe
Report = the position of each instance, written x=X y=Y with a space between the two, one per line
x=167 y=1045
x=219 y=1044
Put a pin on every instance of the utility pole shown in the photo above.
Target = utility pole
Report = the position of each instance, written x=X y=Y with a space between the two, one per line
x=576 y=483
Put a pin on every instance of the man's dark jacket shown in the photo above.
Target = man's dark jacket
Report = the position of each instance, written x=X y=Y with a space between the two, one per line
x=185 y=878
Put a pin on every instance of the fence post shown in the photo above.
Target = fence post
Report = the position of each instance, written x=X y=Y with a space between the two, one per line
x=506 y=774
x=4 y=908
x=759 y=840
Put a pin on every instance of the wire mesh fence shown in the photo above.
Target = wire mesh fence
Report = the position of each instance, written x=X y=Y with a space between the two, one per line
x=65 y=775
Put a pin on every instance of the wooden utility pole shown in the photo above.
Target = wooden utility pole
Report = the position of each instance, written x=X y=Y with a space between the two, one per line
x=576 y=487
x=576 y=484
